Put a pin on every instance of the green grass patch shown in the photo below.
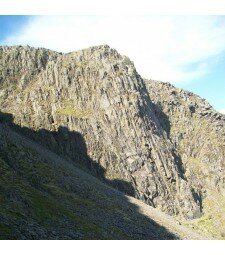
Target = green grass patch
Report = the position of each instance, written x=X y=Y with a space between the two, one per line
x=69 y=109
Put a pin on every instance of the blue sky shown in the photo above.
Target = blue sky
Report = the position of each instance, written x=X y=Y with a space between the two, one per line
x=211 y=86
x=10 y=24
x=187 y=51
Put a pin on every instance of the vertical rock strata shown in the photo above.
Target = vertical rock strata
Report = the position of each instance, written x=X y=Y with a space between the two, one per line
x=197 y=132
x=99 y=94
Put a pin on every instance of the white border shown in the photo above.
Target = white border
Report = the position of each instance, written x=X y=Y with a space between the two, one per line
x=112 y=7
x=112 y=247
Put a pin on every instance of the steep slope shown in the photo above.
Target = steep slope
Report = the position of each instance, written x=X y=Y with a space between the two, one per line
x=99 y=94
x=198 y=134
x=43 y=196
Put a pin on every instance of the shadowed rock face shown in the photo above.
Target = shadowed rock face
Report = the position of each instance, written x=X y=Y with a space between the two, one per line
x=99 y=94
x=43 y=196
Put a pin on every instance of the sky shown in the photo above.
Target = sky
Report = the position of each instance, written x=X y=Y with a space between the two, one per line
x=187 y=51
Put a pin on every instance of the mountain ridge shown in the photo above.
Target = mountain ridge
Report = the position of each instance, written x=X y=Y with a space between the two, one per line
x=128 y=127
x=102 y=84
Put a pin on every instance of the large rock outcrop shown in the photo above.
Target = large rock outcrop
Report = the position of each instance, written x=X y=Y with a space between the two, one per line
x=98 y=93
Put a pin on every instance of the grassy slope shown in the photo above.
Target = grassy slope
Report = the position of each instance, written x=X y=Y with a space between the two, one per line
x=39 y=200
x=42 y=196
x=213 y=221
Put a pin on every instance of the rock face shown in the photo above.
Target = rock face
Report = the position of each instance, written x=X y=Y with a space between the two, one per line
x=197 y=132
x=98 y=93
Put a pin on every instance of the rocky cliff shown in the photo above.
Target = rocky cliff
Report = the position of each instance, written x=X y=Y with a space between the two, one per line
x=98 y=93
x=167 y=143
